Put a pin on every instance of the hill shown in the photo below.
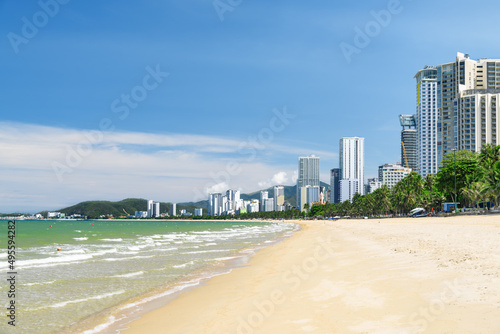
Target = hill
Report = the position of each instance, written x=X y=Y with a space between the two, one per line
x=94 y=209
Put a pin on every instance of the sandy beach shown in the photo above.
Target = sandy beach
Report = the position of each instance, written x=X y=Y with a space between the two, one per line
x=426 y=275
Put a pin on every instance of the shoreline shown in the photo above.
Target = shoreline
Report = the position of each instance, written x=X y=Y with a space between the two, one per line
x=352 y=276
x=112 y=319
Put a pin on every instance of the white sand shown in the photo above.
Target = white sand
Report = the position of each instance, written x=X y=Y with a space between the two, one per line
x=426 y=275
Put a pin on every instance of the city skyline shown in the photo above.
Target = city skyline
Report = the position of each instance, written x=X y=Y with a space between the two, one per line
x=178 y=99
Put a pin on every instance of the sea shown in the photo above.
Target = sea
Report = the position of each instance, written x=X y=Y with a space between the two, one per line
x=96 y=276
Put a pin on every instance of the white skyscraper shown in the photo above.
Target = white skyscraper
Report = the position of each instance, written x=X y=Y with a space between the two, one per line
x=153 y=209
x=352 y=164
x=308 y=175
x=263 y=196
x=428 y=121
x=215 y=204
x=279 y=198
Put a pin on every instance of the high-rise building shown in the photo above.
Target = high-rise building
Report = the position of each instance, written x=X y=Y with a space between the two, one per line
x=348 y=188
x=409 y=141
x=198 y=212
x=335 y=185
x=308 y=174
x=391 y=174
x=466 y=93
x=233 y=198
x=215 y=204
x=373 y=184
x=351 y=156
x=428 y=121
x=279 y=198
x=150 y=208
x=268 y=204
x=173 y=209
x=253 y=206
x=263 y=196
x=313 y=194
x=153 y=209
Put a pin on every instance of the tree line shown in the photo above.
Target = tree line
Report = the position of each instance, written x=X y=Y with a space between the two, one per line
x=477 y=183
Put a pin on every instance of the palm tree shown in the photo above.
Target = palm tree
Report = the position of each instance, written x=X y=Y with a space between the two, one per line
x=492 y=180
x=475 y=193
x=489 y=154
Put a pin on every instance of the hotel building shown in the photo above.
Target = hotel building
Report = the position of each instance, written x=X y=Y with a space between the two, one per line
x=391 y=174
x=428 y=122
x=465 y=93
x=351 y=156
x=308 y=176
x=409 y=141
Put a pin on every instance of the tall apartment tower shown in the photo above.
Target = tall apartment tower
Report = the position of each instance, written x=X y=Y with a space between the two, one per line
x=428 y=120
x=352 y=162
x=308 y=175
x=279 y=198
x=335 y=185
x=264 y=195
x=467 y=98
x=215 y=204
x=409 y=141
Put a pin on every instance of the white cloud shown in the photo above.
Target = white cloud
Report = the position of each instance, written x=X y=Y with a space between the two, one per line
x=280 y=178
x=123 y=164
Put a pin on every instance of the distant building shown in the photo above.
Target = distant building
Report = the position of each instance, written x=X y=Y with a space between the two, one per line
x=409 y=141
x=53 y=214
x=335 y=185
x=279 y=198
x=373 y=184
x=391 y=174
x=322 y=196
x=313 y=193
x=215 y=204
x=268 y=204
x=141 y=214
x=233 y=198
x=173 y=209
x=264 y=195
x=308 y=175
x=253 y=206
x=348 y=188
x=198 y=212
x=351 y=161
x=153 y=209
x=428 y=120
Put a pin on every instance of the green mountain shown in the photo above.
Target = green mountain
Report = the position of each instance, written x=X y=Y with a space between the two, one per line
x=94 y=209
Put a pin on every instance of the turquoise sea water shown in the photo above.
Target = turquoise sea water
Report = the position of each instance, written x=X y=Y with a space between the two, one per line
x=108 y=271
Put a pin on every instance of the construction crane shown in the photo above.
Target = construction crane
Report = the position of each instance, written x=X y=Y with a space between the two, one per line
x=404 y=152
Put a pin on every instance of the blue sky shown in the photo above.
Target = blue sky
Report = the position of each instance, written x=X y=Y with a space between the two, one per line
x=213 y=121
